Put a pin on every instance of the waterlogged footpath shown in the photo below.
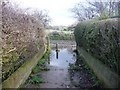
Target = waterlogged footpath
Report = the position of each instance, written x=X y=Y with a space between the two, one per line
x=64 y=70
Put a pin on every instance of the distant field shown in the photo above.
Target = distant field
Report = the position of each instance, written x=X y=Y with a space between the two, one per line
x=63 y=43
x=51 y=30
x=59 y=34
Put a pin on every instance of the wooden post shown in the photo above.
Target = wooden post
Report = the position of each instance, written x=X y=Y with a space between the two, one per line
x=57 y=54
x=56 y=50
x=49 y=60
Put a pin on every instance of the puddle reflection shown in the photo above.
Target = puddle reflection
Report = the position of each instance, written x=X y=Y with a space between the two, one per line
x=62 y=58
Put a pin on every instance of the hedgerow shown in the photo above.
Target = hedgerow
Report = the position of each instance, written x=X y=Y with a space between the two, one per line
x=101 y=39
x=22 y=37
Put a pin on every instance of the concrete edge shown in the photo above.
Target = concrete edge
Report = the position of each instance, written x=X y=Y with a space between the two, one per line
x=108 y=77
x=21 y=75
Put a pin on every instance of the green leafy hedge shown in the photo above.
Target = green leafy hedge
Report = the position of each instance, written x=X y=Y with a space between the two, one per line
x=61 y=37
x=101 y=39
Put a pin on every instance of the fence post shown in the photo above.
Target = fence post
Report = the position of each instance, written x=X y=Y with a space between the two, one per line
x=57 y=50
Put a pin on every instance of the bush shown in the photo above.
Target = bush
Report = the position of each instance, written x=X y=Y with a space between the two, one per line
x=101 y=39
x=61 y=36
x=23 y=37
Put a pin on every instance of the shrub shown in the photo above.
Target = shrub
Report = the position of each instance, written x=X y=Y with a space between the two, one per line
x=101 y=39
x=22 y=35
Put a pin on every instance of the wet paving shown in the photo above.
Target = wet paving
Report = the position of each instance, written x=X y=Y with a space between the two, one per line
x=65 y=71
x=58 y=76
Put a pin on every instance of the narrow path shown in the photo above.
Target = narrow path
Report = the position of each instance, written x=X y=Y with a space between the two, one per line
x=65 y=71
x=58 y=75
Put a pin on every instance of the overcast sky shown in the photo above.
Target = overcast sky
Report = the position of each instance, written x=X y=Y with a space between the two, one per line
x=58 y=10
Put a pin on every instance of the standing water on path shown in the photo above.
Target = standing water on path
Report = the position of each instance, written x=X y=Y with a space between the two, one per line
x=58 y=75
x=65 y=57
x=65 y=71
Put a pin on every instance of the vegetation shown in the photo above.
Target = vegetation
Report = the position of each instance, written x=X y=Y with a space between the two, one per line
x=36 y=79
x=96 y=9
x=61 y=36
x=22 y=37
x=101 y=39
x=86 y=68
x=41 y=63
x=42 y=16
x=94 y=77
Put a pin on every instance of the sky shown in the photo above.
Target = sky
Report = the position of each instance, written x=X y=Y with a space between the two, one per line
x=58 y=10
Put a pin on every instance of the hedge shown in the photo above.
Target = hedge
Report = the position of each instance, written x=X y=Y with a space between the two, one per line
x=102 y=40
x=22 y=38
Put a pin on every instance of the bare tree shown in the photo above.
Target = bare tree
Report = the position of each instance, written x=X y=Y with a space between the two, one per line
x=78 y=11
x=108 y=8
x=95 y=9
x=43 y=16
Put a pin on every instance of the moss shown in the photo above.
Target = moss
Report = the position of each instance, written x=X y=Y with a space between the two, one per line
x=108 y=77
x=11 y=57
x=5 y=58
x=35 y=70
x=19 y=76
x=38 y=68
x=36 y=80
x=41 y=63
